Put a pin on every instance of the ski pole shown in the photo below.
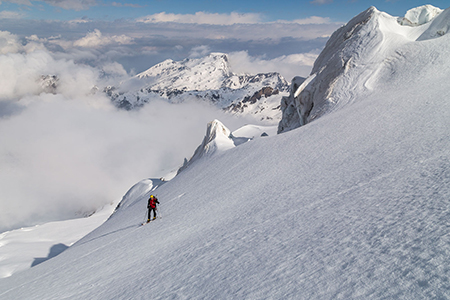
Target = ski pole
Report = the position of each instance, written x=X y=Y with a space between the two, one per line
x=159 y=209
x=146 y=216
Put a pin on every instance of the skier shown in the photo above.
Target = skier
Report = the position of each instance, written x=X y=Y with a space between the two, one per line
x=152 y=201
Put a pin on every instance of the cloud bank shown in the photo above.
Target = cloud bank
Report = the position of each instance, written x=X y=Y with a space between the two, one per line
x=203 y=18
x=288 y=65
x=137 y=45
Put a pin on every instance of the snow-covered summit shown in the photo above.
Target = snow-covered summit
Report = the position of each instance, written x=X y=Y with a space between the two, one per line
x=209 y=79
x=438 y=27
x=218 y=138
x=354 y=59
x=207 y=73
x=420 y=15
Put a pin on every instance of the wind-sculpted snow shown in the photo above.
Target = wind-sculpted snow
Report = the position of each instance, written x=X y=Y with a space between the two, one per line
x=419 y=15
x=352 y=61
x=218 y=138
x=439 y=27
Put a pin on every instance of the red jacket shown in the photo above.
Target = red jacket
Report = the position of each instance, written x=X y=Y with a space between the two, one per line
x=152 y=202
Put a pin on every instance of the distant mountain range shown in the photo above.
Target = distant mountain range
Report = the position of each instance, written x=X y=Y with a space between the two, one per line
x=206 y=79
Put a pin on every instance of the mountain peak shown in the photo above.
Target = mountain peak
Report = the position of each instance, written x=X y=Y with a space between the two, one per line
x=208 y=79
x=353 y=59
x=420 y=15
x=217 y=138
x=202 y=73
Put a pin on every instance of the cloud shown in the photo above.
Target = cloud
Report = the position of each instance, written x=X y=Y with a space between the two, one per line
x=138 y=46
x=287 y=65
x=313 y=20
x=199 y=51
x=321 y=2
x=9 y=43
x=203 y=18
x=95 y=39
x=11 y=14
x=118 y=4
x=72 y=4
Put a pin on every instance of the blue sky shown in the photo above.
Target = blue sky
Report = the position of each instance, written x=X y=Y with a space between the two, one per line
x=269 y=10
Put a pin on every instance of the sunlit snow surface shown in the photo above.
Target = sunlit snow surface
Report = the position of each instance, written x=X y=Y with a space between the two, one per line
x=354 y=205
x=23 y=248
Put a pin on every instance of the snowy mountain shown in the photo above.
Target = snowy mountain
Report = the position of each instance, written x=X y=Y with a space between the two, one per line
x=351 y=205
x=371 y=46
x=219 y=138
x=207 y=79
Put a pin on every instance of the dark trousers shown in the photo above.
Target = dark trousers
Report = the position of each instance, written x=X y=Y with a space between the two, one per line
x=150 y=212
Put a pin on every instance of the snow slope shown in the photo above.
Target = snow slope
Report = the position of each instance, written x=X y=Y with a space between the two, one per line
x=26 y=247
x=354 y=205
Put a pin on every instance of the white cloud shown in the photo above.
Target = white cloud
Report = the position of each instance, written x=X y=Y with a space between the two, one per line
x=11 y=14
x=118 y=4
x=199 y=51
x=96 y=39
x=313 y=20
x=287 y=65
x=321 y=2
x=20 y=74
x=9 y=43
x=78 y=21
x=203 y=18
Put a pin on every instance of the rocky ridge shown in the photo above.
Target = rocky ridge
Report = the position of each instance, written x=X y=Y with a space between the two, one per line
x=208 y=79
